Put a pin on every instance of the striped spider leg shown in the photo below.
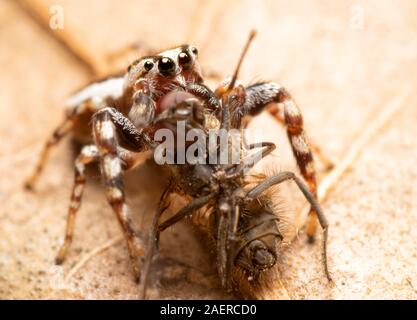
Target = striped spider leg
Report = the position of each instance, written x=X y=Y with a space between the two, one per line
x=108 y=125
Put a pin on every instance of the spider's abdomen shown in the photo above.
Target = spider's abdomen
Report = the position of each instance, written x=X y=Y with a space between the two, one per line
x=97 y=93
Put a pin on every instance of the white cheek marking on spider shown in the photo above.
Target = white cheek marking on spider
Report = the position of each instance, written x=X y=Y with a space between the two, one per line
x=106 y=130
x=97 y=92
x=300 y=145
x=112 y=167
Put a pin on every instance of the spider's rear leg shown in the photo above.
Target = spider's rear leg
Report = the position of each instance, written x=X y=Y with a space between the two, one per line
x=105 y=122
x=260 y=96
x=65 y=127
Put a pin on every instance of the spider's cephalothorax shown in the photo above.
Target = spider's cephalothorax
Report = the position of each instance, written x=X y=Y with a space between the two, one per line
x=135 y=94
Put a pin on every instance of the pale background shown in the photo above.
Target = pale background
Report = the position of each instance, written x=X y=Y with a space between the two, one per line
x=344 y=61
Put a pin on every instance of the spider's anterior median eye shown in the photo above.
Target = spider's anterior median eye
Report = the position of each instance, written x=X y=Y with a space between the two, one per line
x=166 y=66
x=148 y=65
x=184 y=59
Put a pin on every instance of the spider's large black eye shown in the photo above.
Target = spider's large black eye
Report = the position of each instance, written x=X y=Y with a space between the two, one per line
x=184 y=59
x=148 y=65
x=166 y=66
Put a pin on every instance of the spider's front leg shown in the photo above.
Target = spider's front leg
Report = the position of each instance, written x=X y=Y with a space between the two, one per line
x=259 y=97
x=108 y=124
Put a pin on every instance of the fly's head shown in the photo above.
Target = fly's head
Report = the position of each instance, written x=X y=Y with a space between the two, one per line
x=259 y=237
x=253 y=250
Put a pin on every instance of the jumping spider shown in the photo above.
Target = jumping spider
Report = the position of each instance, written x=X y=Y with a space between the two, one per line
x=127 y=110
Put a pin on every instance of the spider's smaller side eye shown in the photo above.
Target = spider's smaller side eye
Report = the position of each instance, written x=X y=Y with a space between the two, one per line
x=148 y=65
x=194 y=50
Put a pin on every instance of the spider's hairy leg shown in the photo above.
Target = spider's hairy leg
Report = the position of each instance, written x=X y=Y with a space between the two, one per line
x=278 y=115
x=263 y=95
x=87 y=155
x=60 y=132
x=105 y=137
x=311 y=198
x=302 y=152
x=260 y=96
